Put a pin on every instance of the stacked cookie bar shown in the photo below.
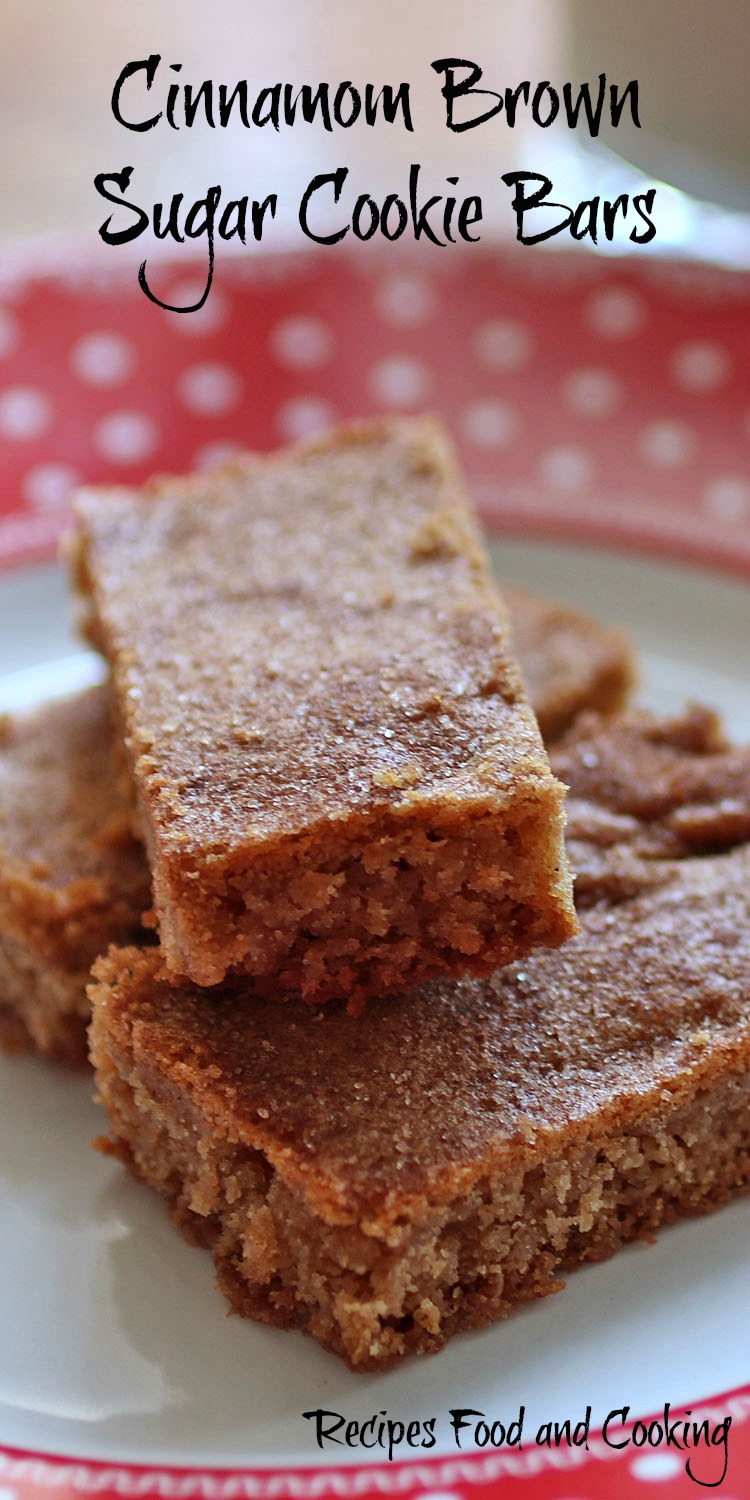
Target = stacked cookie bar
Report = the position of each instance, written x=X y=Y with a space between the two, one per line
x=386 y=1180
x=341 y=783
x=70 y=858
x=358 y=1047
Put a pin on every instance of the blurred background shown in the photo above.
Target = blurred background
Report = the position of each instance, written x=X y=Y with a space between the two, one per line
x=58 y=64
x=597 y=396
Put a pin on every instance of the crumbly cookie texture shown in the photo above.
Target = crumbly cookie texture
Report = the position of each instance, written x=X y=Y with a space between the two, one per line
x=386 y=1180
x=646 y=790
x=569 y=660
x=73 y=877
x=342 y=785
x=64 y=817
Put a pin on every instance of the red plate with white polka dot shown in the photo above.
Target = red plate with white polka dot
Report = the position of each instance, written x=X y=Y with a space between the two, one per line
x=589 y=397
x=602 y=411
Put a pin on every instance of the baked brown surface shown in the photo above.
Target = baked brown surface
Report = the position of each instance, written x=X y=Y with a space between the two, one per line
x=72 y=875
x=60 y=788
x=645 y=790
x=386 y=1180
x=342 y=785
x=569 y=661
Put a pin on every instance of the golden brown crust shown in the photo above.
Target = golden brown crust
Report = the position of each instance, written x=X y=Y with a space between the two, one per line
x=385 y=1180
x=646 y=790
x=302 y=696
x=569 y=660
x=71 y=870
x=435 y=1086
x=72 y=878
x=72 y=874
x=44 y=1006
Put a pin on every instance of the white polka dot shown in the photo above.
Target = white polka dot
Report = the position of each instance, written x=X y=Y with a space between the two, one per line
x=615 y=312
x=405 y=298
x=211 y=455
x=126 y=437
x=656 y=1466
x=24 y=412
x=10 y=333
x=212 y=315
x=489 y=424
x=439 y=1495
x=399 y=380
x=566 y=469
x=503 y=344
x=667 y=444
x=728 y=497
x=591 y=393
x=304 y=416
x=209 y=389
x=301 y=343
x=700 y=365
x=49 y=487
x=8 y=1494
x=102 y=359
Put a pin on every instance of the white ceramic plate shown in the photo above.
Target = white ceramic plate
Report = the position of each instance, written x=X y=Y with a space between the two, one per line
x=114 y=1341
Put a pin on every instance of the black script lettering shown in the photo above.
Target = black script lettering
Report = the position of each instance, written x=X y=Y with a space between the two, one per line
x=523 y=202
x=452 y=90
x=335 y=180
x=646 y=199
x=122 y=181
x=148 y=65
x=325 y=1433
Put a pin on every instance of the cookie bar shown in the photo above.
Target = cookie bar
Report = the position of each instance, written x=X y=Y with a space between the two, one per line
x=569 y=660
x=387 y=1180
x=384 y=1181
x=72 y=874
x=645 y=790
x=69 y=746
x=341 y=782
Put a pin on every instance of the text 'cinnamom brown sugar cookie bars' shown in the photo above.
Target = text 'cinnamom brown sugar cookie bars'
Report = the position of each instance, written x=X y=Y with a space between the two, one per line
x=342 y=786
